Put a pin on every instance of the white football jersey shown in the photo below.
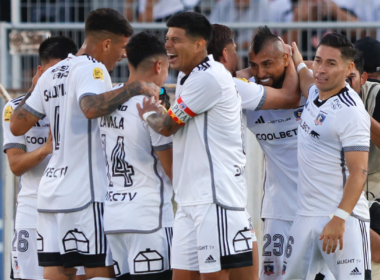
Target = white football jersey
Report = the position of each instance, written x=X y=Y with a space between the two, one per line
x=36 y=137
x=208 y=157
x=75 y=175
x=327 y=130
x=137 y=184
x=276 y=132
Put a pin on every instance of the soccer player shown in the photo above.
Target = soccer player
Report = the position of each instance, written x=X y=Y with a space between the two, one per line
x=28 y=156
x=72 y=190
x=332 y=222
x=139 y=162
x=276 y=132
x=255 y=97
x=211 y=231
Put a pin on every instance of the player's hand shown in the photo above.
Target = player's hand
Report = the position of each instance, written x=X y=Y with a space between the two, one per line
x=332 y=234
x=149 y=105
x=150 y=89
x=297 y=56
x=36 y=77
x=48 y=147
x=287 y=47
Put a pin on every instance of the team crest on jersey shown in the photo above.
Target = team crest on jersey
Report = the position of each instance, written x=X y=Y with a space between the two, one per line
x=320 y=119
x=7 y=113
x=98 y=74
x=297 y=114
x=268 y=269
x=335 y=105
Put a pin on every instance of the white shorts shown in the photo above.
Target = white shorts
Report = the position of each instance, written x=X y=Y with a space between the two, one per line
x=276 y=233
x=24 y=255
x=305 y=258
x=208 y=238
x=138 y=254
x=74 y=239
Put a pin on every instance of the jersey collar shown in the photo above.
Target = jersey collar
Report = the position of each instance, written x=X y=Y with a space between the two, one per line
x=319 y=103
x=199 y=66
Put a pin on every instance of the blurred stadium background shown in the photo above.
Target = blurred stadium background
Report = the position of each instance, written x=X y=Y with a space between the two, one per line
x=25 y=23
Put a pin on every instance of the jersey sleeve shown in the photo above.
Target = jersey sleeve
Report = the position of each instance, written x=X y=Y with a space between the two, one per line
x=252 y=95
x=11 y=141
x=91 y=79
x=160 y=142
x=199 y=95
x=34 y=104
x=353 y=128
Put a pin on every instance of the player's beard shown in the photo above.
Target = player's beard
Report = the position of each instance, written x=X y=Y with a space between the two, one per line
x=278 y=83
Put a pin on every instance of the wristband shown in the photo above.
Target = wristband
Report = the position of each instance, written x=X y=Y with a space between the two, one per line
x=341 y=214
x=147 y=114
x=301 y=66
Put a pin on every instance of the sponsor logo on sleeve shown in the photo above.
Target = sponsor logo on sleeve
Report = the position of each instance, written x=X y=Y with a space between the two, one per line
x=98 y=74
x=7 y=113
x=355 y=272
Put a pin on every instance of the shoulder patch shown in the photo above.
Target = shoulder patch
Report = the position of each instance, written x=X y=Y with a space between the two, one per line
x=7 y=113
x=98 y=74
x=244 y=80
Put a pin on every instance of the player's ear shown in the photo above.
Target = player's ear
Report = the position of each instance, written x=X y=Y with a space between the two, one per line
x=349 y=68
x=200 y=45
x=285 y=59
x=158 y=67
x=106 y=45
x=363 y=78
x=224 y=56
x=40 y=69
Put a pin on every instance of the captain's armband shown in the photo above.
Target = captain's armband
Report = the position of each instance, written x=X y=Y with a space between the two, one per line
x=180 y=113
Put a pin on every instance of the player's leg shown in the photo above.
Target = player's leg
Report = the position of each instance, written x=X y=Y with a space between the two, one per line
x=223 y=240
x=302 y=257
x=83 y=242
x=353 y=261
x=248 y=272
x=49 y=255
x=276 y=233
x=24 y=254
x=184 y=259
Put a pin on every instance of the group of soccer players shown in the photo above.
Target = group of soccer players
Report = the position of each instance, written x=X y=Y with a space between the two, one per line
x=100 y=163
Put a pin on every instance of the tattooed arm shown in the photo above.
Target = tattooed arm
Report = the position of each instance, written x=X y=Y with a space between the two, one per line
x=95 y=106
x=162 y=124
x=22 y=121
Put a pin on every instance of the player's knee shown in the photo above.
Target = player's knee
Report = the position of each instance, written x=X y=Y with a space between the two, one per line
x=106 y=272
x=220 y=275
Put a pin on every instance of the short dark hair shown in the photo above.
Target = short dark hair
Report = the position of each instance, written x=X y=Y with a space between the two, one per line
x=110 y=20
x=57 y=47
x=263 y=36
x=142 y=46
x=194 y=24
x=221 y=37
x=359 y=61
x=339 y=41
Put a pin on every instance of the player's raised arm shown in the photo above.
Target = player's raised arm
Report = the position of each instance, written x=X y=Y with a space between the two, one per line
x=305 y=76
x=95 y=106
